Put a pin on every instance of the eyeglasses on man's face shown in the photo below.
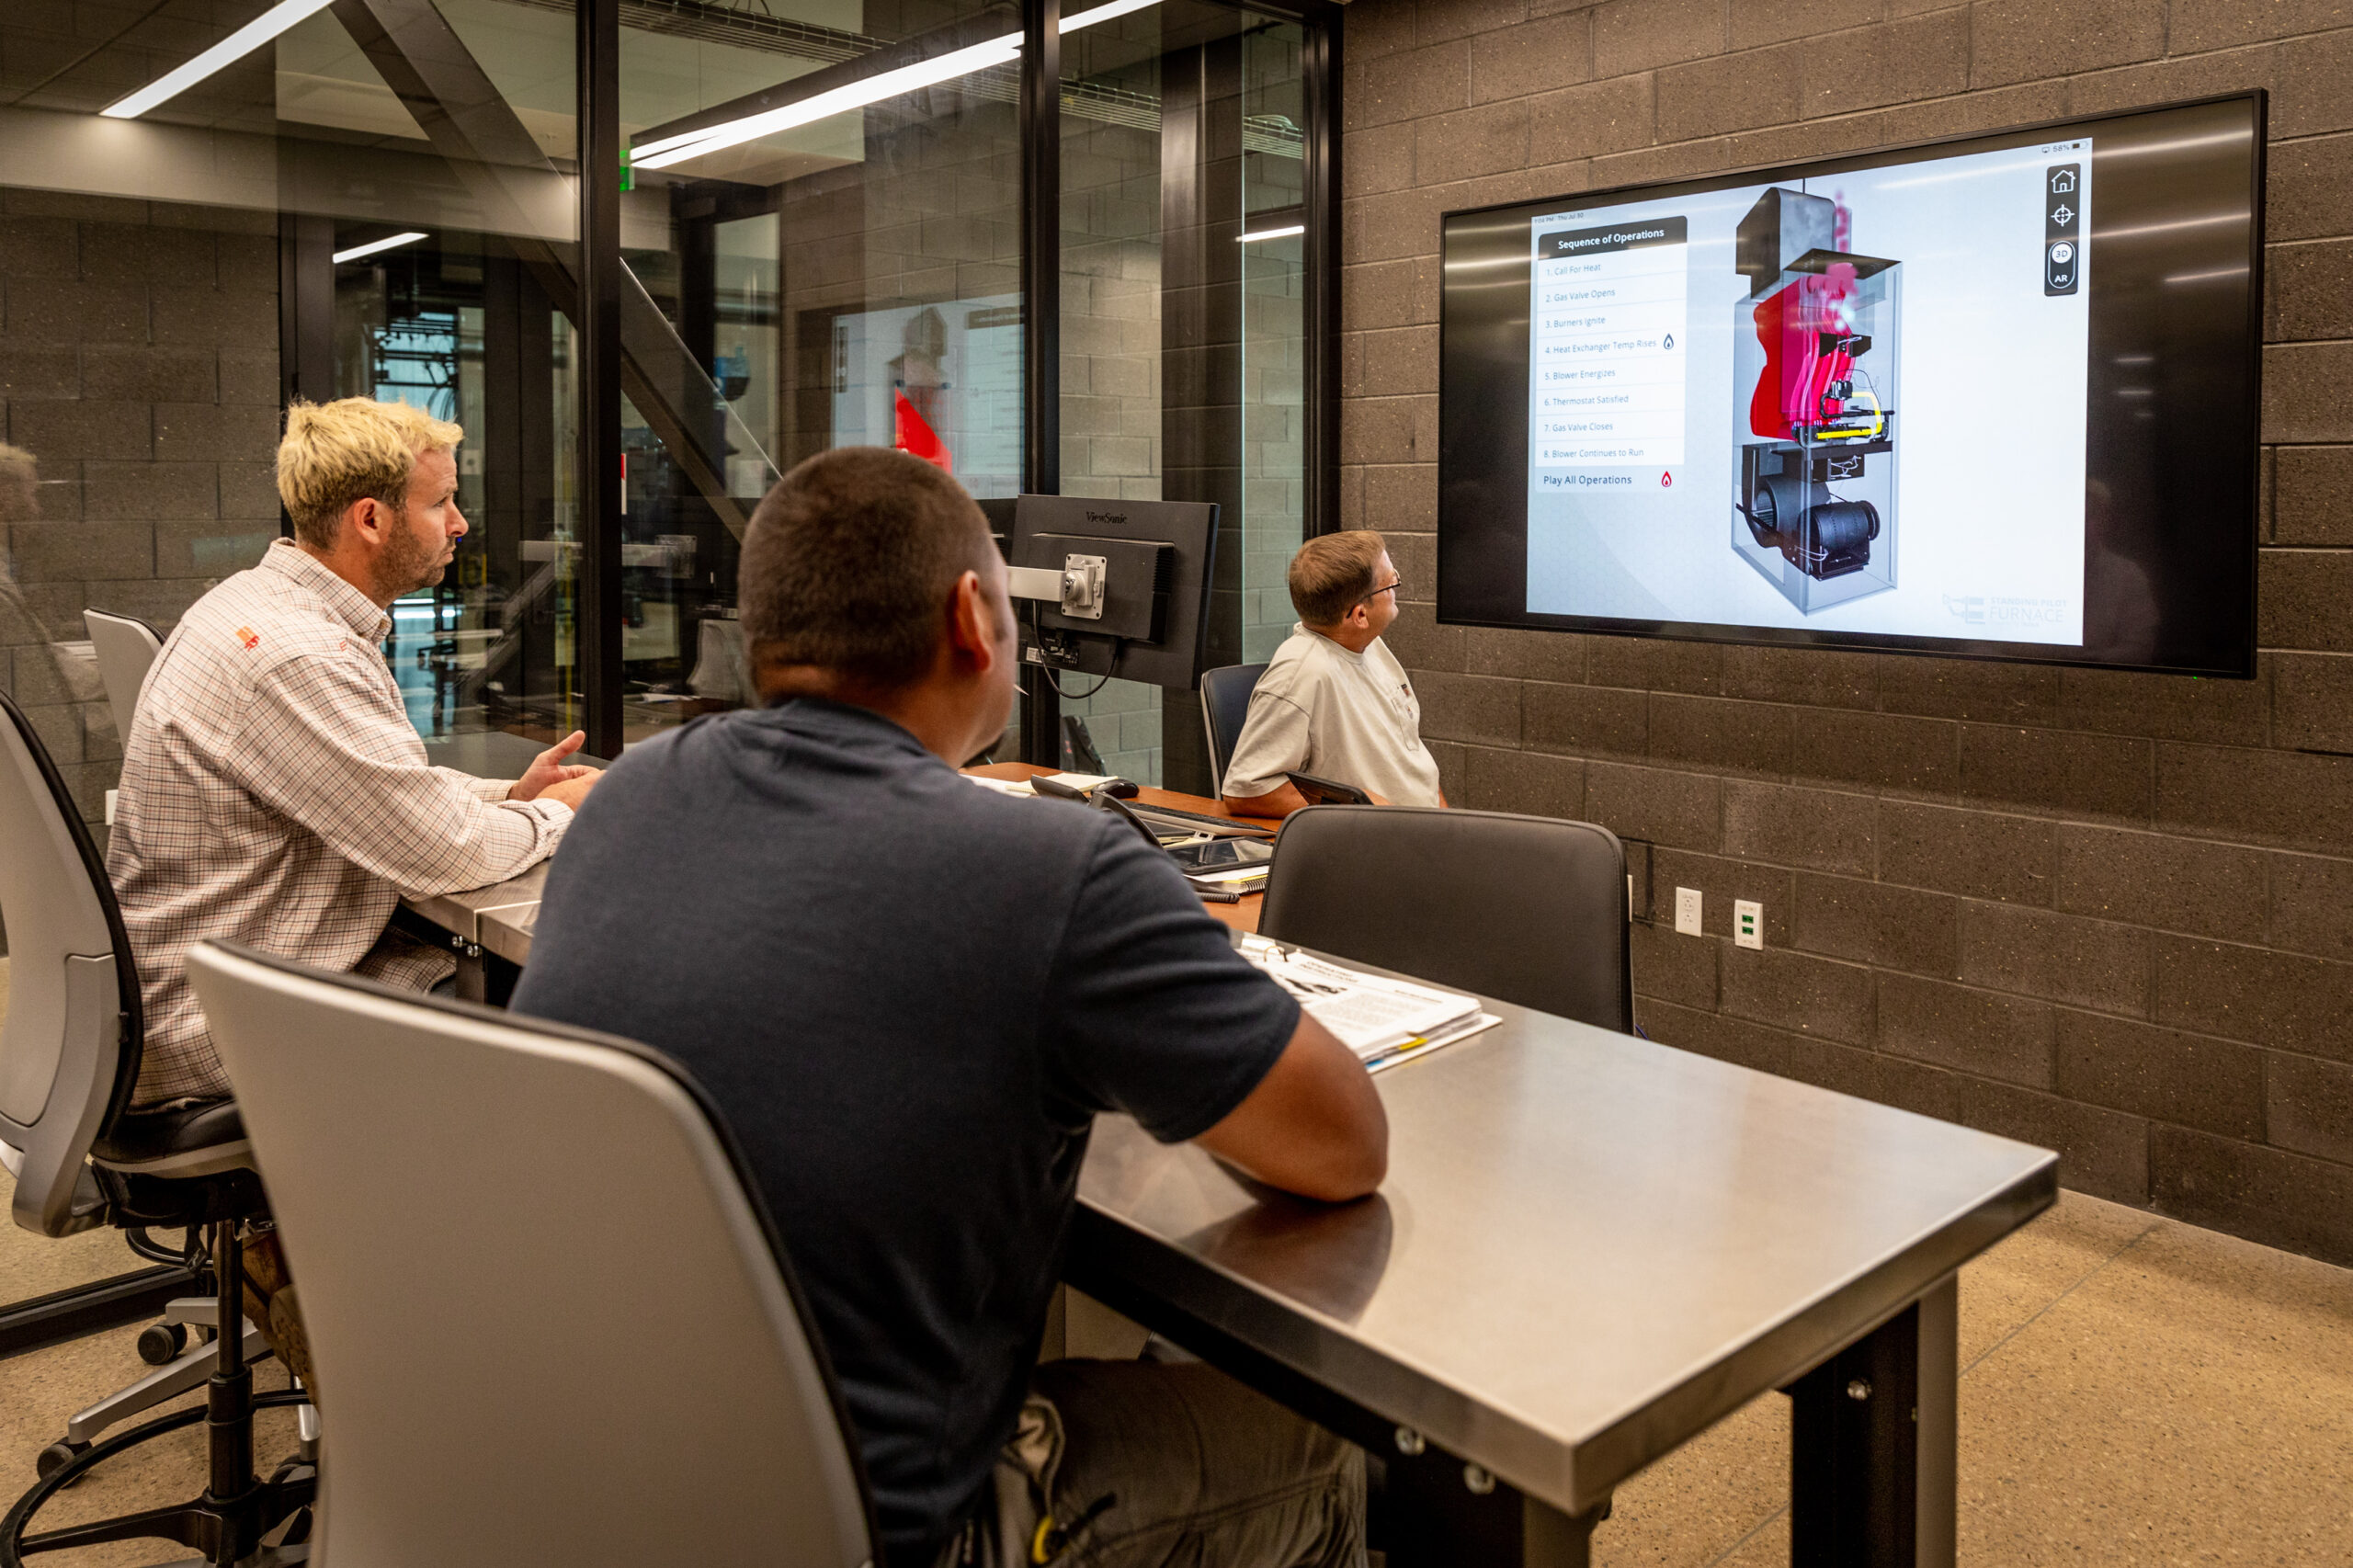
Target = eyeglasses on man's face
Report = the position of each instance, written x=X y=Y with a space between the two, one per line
x=1385 y=588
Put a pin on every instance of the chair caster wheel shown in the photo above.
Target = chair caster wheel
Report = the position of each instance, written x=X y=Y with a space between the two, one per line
x=160 y=1344
x=57 y=1455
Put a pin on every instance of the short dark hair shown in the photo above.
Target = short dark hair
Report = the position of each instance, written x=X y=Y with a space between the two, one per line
x=848 y=562
x=1332 y=574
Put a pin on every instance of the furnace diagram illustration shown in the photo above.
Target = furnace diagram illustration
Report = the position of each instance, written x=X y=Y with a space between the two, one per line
x=1816 y=341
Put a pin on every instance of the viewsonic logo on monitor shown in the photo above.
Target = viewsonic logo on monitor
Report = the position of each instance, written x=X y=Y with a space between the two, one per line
x=1107 y=516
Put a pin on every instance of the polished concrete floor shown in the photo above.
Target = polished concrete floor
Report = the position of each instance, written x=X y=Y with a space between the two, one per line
x=2133 y=1391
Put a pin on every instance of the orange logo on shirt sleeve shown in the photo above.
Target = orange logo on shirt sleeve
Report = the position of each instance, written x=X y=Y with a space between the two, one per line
x=249 y=638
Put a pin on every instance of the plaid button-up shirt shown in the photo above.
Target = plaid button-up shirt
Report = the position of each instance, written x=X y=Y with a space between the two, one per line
x=274 y=792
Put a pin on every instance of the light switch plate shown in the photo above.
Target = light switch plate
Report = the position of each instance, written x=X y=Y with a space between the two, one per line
x=1687 y=911
x=1747 y=923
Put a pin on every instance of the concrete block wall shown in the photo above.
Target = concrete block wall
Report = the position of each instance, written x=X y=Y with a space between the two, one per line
x=138 y=365
x=2110 y=914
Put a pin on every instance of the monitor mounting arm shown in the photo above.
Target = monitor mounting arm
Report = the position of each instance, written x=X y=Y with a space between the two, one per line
x=1076 y=590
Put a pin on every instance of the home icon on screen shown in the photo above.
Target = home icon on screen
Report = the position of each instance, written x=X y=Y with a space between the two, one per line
x=2062 y=181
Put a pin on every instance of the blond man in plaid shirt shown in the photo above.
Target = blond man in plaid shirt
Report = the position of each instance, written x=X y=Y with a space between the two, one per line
x=274 y=791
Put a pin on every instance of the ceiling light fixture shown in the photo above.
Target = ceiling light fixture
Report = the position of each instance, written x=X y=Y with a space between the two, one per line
x=1117 y=8
x=373 y=246
x=229 y=50
x=822 y=105
x=1273 y=234
x=669 y=149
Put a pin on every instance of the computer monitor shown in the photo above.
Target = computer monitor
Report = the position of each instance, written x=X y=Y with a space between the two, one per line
x=1114 y=588
x=1998 y=397
x=998 y=510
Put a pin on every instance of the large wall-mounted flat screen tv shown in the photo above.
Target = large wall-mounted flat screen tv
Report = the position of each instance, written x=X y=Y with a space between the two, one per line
x=1995 y=397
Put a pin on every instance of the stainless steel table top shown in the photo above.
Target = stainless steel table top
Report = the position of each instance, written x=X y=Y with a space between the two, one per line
x=491 y=915
x=1588 y=1249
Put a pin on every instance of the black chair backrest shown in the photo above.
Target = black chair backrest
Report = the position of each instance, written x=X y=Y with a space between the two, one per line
x=1225 y=703
x=1528 y=910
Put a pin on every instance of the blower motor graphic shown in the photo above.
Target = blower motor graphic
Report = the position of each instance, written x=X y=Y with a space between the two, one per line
x=1816 y=342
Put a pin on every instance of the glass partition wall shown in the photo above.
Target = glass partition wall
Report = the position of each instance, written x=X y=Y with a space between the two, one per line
x=1183 y=175
x=1086 y=250
x=1090 y=253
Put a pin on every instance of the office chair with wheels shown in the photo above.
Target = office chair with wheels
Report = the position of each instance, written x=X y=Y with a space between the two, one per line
x=69 y=1061
x=1528 y=910
x=126 y=647
x=562 y=1193
x=1225 y=703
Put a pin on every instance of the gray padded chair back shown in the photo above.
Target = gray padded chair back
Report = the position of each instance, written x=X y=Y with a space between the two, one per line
x=555 y=1318
x=126 y=647
x=1225 y=703
x=69 y=1054
x=1529 y=910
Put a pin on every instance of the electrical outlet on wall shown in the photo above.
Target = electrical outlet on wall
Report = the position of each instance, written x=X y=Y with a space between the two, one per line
x=1747 y=923
x=1687 y=911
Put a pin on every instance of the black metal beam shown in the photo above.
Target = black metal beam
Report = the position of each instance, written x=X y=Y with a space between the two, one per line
x=305 y=308
x=1041 y=214
x=596 y=626
x=1202 y=328
x=1041 y=124
x=1320 y=65
x=305 y=316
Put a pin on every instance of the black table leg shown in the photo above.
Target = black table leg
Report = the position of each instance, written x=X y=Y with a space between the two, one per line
x=1872 y=1438
x=498 y=979
x=1434 y=1511
x=484 y=976
x=474 y=966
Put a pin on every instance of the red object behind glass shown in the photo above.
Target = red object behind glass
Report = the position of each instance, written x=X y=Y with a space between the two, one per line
x=913 y=435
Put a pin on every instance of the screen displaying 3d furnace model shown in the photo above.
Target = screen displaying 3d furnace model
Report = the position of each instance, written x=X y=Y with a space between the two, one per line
x=1847 y=404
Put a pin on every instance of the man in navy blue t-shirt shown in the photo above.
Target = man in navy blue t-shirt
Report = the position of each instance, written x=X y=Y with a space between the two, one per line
x=910 y=996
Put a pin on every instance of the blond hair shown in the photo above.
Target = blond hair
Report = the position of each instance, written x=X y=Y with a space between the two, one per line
x=1332 y=574
x=351 y=449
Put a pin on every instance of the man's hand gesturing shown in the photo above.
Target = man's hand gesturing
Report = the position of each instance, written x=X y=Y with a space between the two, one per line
x=550 y=776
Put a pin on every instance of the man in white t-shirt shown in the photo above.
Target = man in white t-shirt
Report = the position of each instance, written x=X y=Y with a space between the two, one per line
x=1335 y=702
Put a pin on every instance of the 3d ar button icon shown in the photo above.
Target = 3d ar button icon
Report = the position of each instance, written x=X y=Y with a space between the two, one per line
x=2059 y=263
